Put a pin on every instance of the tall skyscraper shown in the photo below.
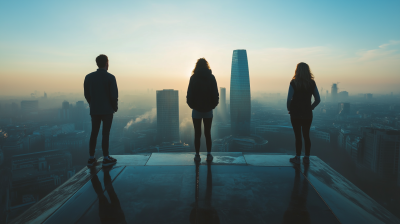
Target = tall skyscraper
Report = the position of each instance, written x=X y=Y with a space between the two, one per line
x=167 y=115
x=240 y=99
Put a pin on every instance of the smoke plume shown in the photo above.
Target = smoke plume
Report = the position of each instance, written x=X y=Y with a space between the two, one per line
x=149 y=115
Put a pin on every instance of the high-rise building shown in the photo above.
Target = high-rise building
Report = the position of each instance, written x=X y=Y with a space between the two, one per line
x=167 y=115
x=222 y=111
x=223 y=97
x=240 y=99
x=334 y=91
x=65 y=111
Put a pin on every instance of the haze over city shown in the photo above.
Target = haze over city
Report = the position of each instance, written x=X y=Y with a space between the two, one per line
x=109 y=112
x=50 y=46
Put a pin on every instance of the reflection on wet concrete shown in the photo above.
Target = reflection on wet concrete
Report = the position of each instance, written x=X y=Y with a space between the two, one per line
x=109 y=212
x=297 y=211
x=203 y=212
x=77 y=205
x=266 y=190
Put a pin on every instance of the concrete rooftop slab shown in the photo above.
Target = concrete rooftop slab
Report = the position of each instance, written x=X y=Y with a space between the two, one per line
x=235 y=188
x=267 y=160
x=132 y=160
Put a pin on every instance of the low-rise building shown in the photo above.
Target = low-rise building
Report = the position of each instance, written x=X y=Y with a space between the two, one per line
x=36 y=174
x=321 y=134
x=380 y=151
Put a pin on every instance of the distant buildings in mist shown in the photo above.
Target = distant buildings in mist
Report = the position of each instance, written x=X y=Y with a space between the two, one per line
x=29 y=106
x=337 y=96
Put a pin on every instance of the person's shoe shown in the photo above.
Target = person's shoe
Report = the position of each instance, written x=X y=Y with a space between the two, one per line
x=91 y=162
x=295 y=160
x=209 y=157
x=306 y=160
x=197 y=158
x=109 y=161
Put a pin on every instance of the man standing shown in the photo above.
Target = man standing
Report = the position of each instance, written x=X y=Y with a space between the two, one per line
x=101 y=92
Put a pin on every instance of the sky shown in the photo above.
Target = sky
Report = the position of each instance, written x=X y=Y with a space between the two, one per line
x=51 y=45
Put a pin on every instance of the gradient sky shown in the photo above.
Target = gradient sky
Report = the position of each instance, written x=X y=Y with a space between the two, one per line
x=51 y=45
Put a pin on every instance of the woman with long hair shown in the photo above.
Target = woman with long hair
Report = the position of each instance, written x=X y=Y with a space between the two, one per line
x=302 y=87
x=202 y=97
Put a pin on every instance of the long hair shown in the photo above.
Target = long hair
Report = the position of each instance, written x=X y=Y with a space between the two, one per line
x=201 y=65
x=302 y=76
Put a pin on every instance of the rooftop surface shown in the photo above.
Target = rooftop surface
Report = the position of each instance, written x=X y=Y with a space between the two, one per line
x=235 y=188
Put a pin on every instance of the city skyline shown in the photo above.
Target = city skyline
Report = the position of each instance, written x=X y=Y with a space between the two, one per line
x=155 y=45
x=151 y=156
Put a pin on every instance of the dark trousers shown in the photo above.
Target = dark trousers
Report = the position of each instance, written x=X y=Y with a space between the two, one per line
x=197 y=133
x=96 y=122
x=302 y=125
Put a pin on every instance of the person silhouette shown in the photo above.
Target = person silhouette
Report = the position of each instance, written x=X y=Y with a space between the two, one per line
x=202 y=96
x=202 y=211
x=302 y=87
x=101 y=93
x=297 y=210
x=109 y=212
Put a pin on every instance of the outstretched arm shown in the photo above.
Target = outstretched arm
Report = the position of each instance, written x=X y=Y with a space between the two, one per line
x=317 y=99
x=289 y=97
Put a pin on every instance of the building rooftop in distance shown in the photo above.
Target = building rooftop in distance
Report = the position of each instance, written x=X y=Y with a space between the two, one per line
x=235 y=188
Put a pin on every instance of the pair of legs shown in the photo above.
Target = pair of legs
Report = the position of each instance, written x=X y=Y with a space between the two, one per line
x=300 y=126
x=96 y=122
x=197 y=133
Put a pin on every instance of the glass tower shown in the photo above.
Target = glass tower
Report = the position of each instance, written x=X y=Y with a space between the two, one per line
x=167 y=115
x=240 y=94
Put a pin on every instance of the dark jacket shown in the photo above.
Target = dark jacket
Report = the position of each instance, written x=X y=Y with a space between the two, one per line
x=300 y=105
x=202 y=93
x=101 y=92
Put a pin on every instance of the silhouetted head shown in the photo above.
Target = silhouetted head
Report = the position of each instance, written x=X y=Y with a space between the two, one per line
x=303 y=76
x=201 y=65
x=102 y=61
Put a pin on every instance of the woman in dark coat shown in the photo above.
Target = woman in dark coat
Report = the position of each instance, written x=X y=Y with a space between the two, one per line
x=202 y=97
x=302 y=87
